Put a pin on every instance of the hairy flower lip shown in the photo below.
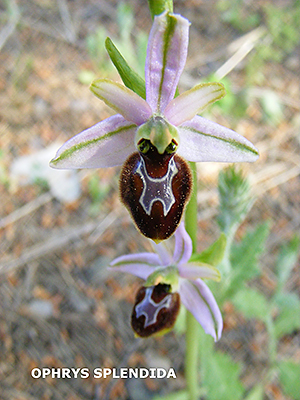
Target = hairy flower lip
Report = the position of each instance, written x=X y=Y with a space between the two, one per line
x=155 y=310
x=155 y=189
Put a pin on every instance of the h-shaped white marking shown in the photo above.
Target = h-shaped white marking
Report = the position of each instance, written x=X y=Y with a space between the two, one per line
x=157 y=189
x=149 y=308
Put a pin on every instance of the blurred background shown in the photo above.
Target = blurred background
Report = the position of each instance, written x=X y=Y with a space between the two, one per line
x=59 y=305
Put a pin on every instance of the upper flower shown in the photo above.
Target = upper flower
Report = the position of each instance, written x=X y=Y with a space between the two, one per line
x=153 y=134
x=163 y=120
x=183 y=277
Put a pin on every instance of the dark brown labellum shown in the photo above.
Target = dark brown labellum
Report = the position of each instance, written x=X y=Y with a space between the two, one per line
x=155 y=188
x=155 y=310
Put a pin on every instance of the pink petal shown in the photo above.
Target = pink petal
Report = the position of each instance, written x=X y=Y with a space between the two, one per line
x=204 y=140
x=166 y=57
x=193 y=270
x=193 y=101
x=123 y=100
x=183 y=246
x=163 y=253
x=198 y=299
x=105 y=144
x=140 y=264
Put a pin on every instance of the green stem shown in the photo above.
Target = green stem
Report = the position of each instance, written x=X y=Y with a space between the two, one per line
x=192 y=326
x=159 y=6
x=191 y=356
x=225 y=265
x=191 y=210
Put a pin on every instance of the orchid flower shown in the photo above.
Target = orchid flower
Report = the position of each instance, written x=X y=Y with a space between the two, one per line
x=168 y=279
x=145 y=134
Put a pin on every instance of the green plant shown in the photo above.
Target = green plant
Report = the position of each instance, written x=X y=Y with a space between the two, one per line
x=280 y=313
x=239 y=262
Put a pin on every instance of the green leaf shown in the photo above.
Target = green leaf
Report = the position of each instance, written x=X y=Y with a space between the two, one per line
x=287 y=259
x=213 y=255
x=289 y=373
x=288 y=319
x=287 y=300
x=256 y=393
x=251 y=303
x=245 y=255
x=287 y=322
x=221 y=378
x=130 y=78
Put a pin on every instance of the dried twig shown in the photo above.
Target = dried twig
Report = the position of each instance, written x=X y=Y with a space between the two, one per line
x=239 y=49
x=56 y=242
x=278 y=179
x=242 y=47
x=26 y=209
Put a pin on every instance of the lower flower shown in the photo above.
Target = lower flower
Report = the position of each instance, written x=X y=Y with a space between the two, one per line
x=170 y=281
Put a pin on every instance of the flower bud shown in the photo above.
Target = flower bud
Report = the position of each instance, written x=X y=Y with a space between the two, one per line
x=155 y=310
x=155 y=188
